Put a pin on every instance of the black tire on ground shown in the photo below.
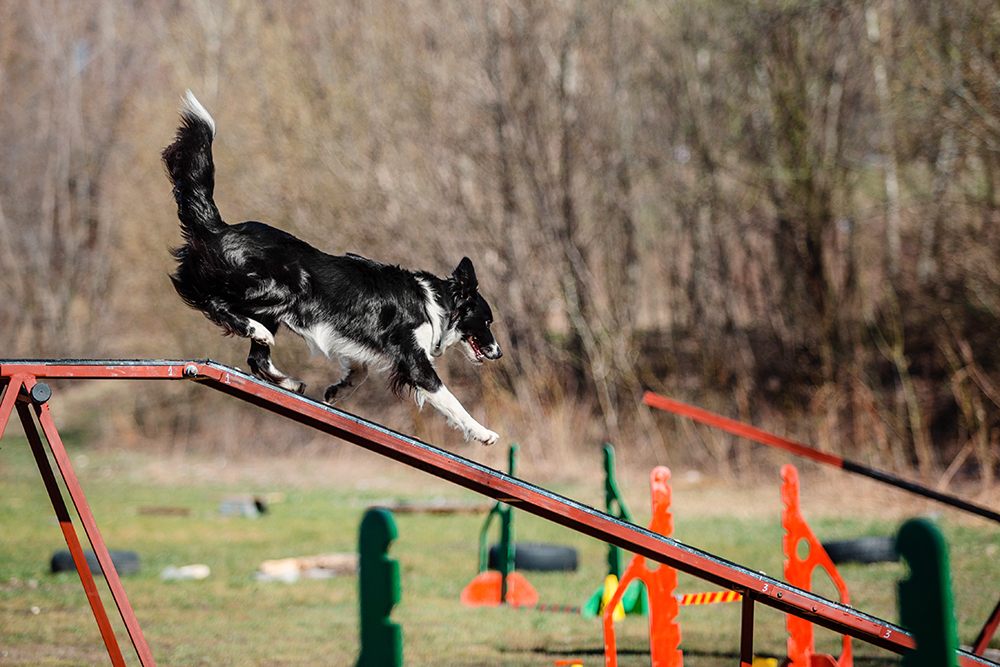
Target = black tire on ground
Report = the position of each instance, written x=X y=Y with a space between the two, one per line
x=863 y=550
x=125 y=562
x=538 y=557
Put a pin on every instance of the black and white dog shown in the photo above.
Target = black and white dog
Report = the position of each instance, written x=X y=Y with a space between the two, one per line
x=251 y=278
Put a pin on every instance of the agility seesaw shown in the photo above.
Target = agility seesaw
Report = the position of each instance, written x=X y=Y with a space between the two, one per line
x=22 y=382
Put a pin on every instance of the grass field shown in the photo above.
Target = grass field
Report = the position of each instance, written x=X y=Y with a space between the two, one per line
x=232 y=619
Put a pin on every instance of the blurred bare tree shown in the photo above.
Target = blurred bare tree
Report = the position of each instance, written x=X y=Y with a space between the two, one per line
x=67 y=78
x=784 y=211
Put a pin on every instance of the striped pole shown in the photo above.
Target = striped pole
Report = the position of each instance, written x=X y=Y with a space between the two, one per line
x=709 y=598
x=763 y=437
x=685 y=599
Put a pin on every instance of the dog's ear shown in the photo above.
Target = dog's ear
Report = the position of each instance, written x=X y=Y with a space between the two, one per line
x=465 y=278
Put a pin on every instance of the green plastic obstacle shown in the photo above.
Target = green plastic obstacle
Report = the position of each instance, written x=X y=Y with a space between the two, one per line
x=505 y=552
x=634 y=601
x=381 y=639
x=504 y=586
x=926 y=607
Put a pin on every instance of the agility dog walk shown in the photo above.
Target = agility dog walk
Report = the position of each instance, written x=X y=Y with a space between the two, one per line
x=23 y=386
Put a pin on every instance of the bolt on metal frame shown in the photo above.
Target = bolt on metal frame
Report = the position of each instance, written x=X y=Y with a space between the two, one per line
x=19 y=380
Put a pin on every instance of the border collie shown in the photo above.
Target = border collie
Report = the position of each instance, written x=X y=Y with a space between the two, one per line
x=251 y=278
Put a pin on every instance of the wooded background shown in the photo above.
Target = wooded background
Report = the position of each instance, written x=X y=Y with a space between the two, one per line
x=783 y=211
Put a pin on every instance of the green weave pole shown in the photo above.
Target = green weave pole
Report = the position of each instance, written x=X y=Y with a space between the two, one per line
x=616 y=507
x=634 y=601
x=505 y=560
x=381 y=639
x=926 y=607
x=506 y=546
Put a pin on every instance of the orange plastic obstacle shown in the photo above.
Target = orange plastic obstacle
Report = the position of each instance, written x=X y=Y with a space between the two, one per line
x=485 y=591
x=799 y=571
x=664 y=631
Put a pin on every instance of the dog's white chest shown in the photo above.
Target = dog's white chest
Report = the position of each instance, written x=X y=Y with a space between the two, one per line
x=323 y=339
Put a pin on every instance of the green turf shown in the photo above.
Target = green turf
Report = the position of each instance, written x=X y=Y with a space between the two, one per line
x=231 y=619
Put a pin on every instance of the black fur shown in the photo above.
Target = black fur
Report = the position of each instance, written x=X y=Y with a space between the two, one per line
x=251 y=278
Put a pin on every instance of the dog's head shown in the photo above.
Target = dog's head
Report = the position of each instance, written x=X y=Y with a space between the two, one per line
x=472 y=316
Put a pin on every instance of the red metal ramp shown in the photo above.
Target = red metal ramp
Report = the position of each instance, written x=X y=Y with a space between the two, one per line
x=22 y=375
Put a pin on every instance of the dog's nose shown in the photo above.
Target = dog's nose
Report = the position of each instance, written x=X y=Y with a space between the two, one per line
x=494 y=352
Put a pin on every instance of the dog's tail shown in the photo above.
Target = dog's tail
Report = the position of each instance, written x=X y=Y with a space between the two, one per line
x=191 y=170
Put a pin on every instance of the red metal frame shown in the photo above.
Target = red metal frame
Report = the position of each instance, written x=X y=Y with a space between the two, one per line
x=749 y=432
x=763 y=437
x=986 y=634
x=754 y=586
x=18 y=390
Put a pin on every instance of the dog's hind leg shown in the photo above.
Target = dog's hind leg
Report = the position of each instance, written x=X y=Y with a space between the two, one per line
x=236 y=324
x=355 y=374
x=259 y=333
x=262 y=366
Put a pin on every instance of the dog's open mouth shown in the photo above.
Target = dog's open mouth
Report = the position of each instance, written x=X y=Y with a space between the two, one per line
x=474 y=346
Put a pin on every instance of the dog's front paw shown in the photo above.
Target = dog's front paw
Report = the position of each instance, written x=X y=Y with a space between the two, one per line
x=486 y=436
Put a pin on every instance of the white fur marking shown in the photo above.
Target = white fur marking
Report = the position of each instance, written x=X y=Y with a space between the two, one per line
x=324 y=339
x=425 y=338
x=192 y=105
x=446 y=403
x=451 y=336
x=259 y=333
x=436 y=314
x=284 y=381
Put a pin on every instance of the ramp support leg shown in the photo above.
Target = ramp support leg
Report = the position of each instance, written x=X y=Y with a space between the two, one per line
x=746 y=632
x=34 y=400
